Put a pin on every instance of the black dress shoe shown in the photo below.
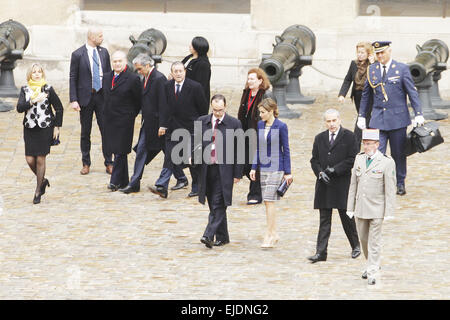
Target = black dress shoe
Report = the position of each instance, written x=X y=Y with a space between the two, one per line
x=161 y=191
x=364 y=275
x=44 y=185
x=208 y=242
x=180 y=185
x=372 y=281
x=317 y=257
x=253 y=201
x=219 y=243
x=113 y=187
x=401 y=190
x=192 y=194
x=356 y=252
x=37 y=198
x=130 y=189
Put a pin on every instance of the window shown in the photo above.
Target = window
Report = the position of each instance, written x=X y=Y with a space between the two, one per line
x=405 y=8
x=205 y=6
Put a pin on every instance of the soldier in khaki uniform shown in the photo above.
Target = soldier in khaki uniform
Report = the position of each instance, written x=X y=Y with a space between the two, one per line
x=371 y=198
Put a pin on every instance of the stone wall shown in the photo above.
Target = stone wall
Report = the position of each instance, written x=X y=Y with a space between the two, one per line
x=237 y=40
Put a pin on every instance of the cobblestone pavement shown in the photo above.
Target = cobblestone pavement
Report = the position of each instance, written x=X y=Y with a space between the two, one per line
x=84 y=242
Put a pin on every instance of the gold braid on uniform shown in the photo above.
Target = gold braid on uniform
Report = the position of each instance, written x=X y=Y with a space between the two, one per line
x=374 y=86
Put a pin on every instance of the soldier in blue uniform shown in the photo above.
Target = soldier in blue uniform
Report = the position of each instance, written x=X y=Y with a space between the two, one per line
x=388 y=83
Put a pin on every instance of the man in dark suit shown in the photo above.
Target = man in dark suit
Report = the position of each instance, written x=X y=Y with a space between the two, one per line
x=388 y=83
x=333 y=154
x=123 y=96
x=217 y=174
x=88 y=65
x=186 y=102
x=154 y=122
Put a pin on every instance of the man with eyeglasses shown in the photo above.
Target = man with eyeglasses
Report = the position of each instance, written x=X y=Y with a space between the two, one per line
x=371 y=198
x=217 y=174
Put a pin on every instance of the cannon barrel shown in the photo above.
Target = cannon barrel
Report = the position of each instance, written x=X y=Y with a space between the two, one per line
x=294 y=47
x=432 y=56
x=152 y=42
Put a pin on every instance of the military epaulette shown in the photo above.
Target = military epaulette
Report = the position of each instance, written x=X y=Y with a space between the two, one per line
x=389 y=157
x=361 y=153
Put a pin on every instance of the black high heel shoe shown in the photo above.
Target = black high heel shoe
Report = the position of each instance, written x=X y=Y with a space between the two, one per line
x=37 y=198
x=44 y=185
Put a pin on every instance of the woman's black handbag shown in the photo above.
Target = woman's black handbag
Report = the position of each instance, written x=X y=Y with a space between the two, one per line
x=284 y=186
x=423 y=138
x=55 y=141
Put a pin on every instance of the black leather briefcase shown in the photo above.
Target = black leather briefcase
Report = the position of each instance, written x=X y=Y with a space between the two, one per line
x=425 y=137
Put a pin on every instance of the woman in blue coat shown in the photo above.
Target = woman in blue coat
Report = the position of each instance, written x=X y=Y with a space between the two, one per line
x=274 y=162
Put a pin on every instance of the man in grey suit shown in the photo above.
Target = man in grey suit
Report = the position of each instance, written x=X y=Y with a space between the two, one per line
x=88 y=64
x=371 y=198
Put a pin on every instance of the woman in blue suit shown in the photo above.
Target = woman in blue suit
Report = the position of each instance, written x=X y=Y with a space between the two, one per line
x=274 y=162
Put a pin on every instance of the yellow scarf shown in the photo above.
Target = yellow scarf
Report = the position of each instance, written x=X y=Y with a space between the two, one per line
x=36 y=86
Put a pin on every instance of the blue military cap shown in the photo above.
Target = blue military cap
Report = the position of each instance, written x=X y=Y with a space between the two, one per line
x=379 y=46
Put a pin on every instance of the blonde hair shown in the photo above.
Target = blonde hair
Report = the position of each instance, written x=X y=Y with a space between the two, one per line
x=269 y=105
x=366 y=45
x=260 y=74
x=30 y=70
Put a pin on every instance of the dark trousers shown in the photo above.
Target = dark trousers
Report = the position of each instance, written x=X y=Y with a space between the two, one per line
x=195 y=173
x=357 y=131
x=96 y=105
x=217 y=220
x=169 y=168
x=119 y=176
x=325 y=230
x=397 y=141
x=254 y=190
x=142 y=156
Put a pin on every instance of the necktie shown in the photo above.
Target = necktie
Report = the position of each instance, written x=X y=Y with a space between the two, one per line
x=213 y=147
x=177 y=92
x=96 y=83
x=332 y=139
x=368 y=161
x=114 y=80
x=384 y=74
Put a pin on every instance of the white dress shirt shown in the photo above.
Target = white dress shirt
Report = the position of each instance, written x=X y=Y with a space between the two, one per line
x=335 y=134
x=213 y=122
x=90 y=51
x=181 y=86
x=388 y=65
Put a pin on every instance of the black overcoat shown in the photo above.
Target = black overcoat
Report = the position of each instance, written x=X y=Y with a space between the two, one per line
x=187 y=107
x=122 y=105
x=154 y=109
x=228 y=171
x=340 y=156
x=199 y=70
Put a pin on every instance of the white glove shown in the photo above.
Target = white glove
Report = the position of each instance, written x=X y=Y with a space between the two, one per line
x=350 y=214
x=361 y=123
x=418 y=121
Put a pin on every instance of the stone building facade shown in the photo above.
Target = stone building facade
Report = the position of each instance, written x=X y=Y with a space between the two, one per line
x=238 y=34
